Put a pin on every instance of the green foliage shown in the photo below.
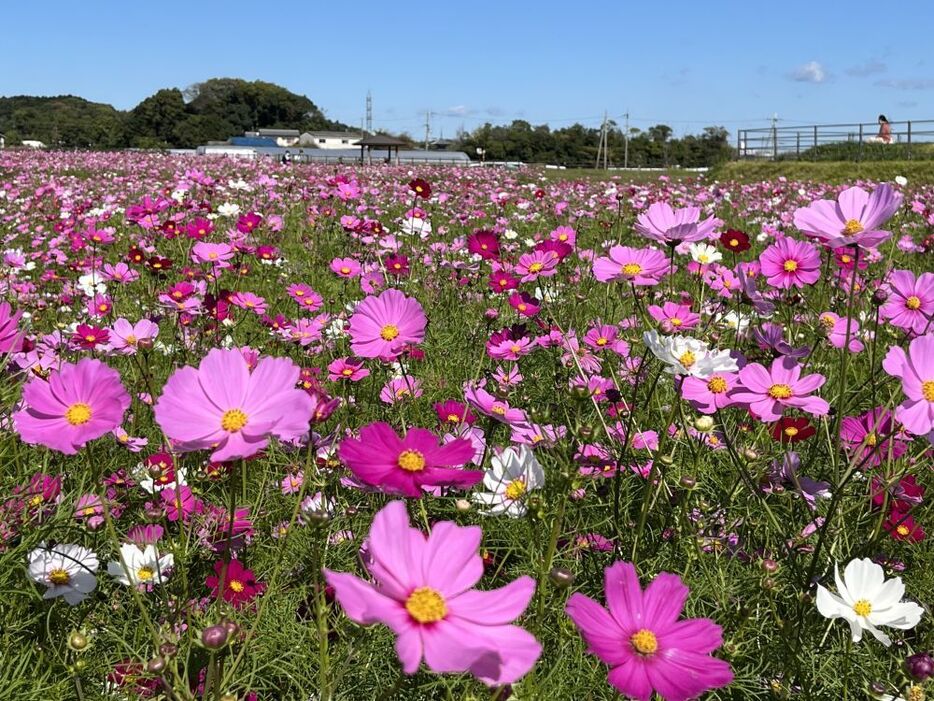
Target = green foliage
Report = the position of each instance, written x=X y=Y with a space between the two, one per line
x=577 y=145
x=835 y=172
x=854 y=151
x=64 y=121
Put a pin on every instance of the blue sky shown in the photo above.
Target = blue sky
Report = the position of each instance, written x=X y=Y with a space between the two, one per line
x=688 y=64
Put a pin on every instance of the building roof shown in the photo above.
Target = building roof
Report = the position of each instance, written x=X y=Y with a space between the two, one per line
x=277 y=132
x=334 y=134
x=381 y=140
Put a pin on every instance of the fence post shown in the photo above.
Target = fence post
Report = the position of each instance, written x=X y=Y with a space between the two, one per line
x=739 y=144
x=909 y=141
x=798 y=144
x=815 y=135
x=774 y=143
x=859 y=157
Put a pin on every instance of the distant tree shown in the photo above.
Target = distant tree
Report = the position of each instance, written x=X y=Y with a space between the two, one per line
x=154 y=120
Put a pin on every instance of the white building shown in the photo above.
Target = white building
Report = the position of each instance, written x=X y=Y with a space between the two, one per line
x=329 y=139
x=33 y=143
x=282 y=137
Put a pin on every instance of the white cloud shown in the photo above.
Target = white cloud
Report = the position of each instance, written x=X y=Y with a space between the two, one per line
x=811 y=72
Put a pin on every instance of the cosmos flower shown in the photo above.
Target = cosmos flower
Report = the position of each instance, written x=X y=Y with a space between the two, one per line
x=225 y=407
x=710 y=394
x=66 y=570
x=11 y=339
x=769 y=391
x=78 y=403
x=641 y=639
x=853 y=220
x=234 y=583
x=382 y=326
x=688 y=356
x=788 y=263
x=666 y=225
x=140 y=566
x=126 y=337
x=423 y=591
x=638 y=266
x=916 y=371
x=404 y=465
x=866 y=600
x=513 y=473
x=871 y=439
x=910 y=304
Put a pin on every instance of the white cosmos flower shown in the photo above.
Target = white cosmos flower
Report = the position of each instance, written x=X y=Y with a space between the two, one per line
x=92 y=284
x=704 y=253
x=866 y=600
x=688 y=356
x=137 y=566
x=901 y=180
x=229 y=209
x=512 y=474
x=66 y=570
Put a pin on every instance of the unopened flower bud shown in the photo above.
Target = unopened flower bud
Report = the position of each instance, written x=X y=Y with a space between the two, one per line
x=769 y=566
x=214 y=637
x=78 y=641
x=463 y=505
x=879 y=297
x=156 y=665
x=688 y=482
x=920 y=666
x=750 y=454
x=561 y=577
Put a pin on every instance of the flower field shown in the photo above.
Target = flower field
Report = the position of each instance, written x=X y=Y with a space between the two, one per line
x=307 y=432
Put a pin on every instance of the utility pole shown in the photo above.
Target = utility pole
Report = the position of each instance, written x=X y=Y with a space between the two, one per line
x=775 y=136
x=606 y=141
x=626 y=142
x=369 y=112
x=427 y=127
x=601 y=144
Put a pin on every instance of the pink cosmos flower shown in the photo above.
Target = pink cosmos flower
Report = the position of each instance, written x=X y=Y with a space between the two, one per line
x=767 y=392
x=639 y=266
x=225 y=407
x=78 y=403
x=910 y=305
x=381 y=326
x=640 y=637
x=423 y=591
x=350 y=369
x=399 y=388
x=216 y=253
x=853 y=220
x=916 y=371
x=537 y=264
x=381 y=458
x=674 y=318
x=345 y=267
x=666 y=225
x=487 y=404
x=710 y=394
x=234 y=583
x=788 y=263
x=249 y=301
x=11 y=340
x=838 y=333
x=127 y=337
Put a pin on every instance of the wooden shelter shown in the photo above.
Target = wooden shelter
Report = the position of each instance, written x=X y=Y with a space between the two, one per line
x=379 y=142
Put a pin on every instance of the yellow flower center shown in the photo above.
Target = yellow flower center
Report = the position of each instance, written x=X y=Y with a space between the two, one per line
x=88 y=511
x=779 y=391
x=411 y=461
x=454 y=418
x=515 y=489
x=235 y=585
x=675 y=321
x=790 y=266
x=903 y=530
x=515 y=348
x=145 y=574
x=212 y=255
x=36 y=500
x=535 y=267
x=389 y=332
x=426 y=605
x=703 y=258
x=791 y=431
x=59 y=576
x=828 y=321
x=131 y=340
x=927 y=390
x=78 y=414
x=347 y=372
x=499 y=409
x=852 y=227
x=845 y=259
x=522 y=307
x=233 y=420
x=632 y=269
x=913 y=302
x=862 y=608
x=871 y=439
x=345 y=270
x=90 y=338
x=734 y=242
x=687 y=359
x=644 y=642
x=717 y=384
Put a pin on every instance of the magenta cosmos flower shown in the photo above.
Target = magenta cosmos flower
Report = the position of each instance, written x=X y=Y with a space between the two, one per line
x=853 y=220
x=644 y=643
x=11 y=340
x=768 y=392
x=404 y=465
x=381 y=326
x=423 y=591
x=225 y=407
x=910 y=304
x=77 y=404
x=640 y=266
x=916 y=371
x=788 y=263
x=662 y=223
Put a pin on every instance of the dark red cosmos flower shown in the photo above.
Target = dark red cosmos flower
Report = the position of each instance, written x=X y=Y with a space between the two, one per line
x=267 y=252
x=454 y=413
x=525 y=304
x=199 y=228
x=733 y=240
x=421 y=188
x=89 y=337
x=901 y=526
x=158 y=264
x=503 y=282
x=248 y=222
x=484 y=244
x=238 y=586
x=136 y=255
x=397 y=265
x=792 y=429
